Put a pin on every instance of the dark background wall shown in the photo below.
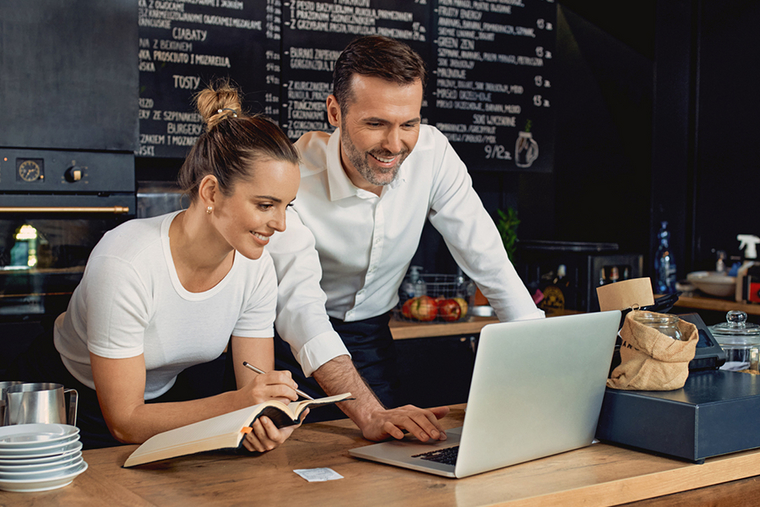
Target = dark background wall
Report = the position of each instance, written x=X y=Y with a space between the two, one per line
x=656 y=120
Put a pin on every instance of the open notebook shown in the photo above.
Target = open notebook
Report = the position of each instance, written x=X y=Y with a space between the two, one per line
x=536 y=390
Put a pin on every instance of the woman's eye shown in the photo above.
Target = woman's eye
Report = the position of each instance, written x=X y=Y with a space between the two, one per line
x=265 y=207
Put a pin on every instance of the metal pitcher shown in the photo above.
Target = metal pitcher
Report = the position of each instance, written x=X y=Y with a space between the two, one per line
x=4 y=386
x=44 y=402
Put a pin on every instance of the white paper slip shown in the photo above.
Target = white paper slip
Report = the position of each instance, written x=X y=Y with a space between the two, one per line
x=318 y=474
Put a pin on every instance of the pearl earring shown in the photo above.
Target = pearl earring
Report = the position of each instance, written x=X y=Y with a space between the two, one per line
x=209 y=210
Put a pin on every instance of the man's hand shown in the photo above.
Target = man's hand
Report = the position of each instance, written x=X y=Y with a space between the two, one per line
x=421 y=423
x=376 y=422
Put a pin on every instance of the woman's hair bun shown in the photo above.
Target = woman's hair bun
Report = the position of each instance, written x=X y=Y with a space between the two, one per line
x=218 y=102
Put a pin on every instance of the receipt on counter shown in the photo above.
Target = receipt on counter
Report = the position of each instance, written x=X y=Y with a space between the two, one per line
x=318 y=474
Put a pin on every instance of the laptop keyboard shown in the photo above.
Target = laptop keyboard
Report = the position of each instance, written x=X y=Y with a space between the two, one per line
x=447 y=456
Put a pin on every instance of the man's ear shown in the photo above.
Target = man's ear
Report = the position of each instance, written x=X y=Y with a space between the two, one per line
x=333 y=111
x=208 y=191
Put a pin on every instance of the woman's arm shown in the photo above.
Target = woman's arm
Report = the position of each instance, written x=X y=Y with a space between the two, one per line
x=120 y=385
x=260 y=353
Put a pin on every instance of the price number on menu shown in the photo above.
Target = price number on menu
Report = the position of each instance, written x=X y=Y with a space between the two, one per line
x=496 y=151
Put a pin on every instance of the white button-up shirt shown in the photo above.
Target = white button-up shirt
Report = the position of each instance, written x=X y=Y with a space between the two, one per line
x=365 y=243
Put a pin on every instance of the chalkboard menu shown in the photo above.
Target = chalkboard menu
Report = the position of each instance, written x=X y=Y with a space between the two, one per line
x=186 y=44
x=489 y=61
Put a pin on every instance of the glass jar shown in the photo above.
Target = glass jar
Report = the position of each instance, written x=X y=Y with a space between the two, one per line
x=740 y=340
x=663 y=322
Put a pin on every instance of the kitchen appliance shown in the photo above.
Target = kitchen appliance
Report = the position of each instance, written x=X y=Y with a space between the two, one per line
x=587 y=266
x=69 y=99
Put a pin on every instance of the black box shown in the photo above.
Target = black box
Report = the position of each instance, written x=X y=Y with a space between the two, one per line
x=716 y=412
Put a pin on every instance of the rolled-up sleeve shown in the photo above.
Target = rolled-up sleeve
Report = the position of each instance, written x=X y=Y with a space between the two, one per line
x=302 y=320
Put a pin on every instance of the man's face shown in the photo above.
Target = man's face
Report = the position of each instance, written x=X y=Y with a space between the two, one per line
x=379 y=129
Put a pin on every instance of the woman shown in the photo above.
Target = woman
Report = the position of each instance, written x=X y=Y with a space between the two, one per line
x=161 y=294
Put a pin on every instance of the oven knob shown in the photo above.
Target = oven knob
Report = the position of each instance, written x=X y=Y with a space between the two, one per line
x=73 y=174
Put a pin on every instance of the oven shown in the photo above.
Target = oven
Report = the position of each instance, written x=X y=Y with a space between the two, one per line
x=69 y=87
x=54 y=207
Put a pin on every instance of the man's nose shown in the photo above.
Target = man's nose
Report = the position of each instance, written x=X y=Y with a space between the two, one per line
x=392 y=141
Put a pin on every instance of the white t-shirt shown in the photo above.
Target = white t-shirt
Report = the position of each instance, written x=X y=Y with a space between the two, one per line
x=130 y=302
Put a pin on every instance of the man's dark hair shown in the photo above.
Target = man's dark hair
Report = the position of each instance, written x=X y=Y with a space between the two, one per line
x=376 y=56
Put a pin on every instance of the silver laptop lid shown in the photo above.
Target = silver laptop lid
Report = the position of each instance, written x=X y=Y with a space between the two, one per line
x=536 y=390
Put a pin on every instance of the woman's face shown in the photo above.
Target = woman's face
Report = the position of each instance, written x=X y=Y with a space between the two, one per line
x=256 y=209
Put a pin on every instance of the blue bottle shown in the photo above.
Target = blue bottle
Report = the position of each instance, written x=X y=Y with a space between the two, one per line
x=664 y=264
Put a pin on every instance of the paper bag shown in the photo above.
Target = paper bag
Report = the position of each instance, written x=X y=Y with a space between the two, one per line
x=652 y=361
x=634 y=293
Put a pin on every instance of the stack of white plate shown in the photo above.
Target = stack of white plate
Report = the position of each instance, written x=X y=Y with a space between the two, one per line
x=39 y=457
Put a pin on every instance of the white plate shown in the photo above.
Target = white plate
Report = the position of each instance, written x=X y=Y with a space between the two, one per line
x=50 y=450
x=60 y=460
x=35 y=435
x=54 y=471
x=18 y=459
x=43 y=484
x=13 y=460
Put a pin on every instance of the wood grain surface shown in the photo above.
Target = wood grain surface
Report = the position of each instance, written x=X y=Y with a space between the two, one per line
x=598 y=475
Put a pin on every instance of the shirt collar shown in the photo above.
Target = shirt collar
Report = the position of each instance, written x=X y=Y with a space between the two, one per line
x=338 y=181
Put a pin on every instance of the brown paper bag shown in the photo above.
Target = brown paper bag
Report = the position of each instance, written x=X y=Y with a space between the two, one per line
x=652 y=361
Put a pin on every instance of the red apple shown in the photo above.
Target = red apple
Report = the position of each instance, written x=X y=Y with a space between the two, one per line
x=449 y=310
x=406 y=310
x=424 y=308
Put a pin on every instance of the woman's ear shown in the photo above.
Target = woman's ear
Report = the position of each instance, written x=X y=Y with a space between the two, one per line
x=208 y=191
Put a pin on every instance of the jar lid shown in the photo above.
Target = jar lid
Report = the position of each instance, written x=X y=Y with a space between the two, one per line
x=736 y=330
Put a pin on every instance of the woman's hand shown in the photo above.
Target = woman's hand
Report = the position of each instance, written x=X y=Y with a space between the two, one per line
x=275 y=385
x=265 y=436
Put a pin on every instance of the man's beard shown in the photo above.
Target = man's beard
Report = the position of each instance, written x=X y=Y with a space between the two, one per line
x=375 y=176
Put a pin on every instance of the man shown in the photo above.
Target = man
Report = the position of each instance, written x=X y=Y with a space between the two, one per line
x=366 y=191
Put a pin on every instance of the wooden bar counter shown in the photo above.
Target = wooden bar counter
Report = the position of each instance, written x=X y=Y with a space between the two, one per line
x=593 y=476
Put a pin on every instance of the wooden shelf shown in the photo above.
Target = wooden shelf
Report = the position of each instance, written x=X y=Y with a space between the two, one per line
x=402 y=330
x=716 y=304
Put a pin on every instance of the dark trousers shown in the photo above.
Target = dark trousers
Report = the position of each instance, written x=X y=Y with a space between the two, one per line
x=373 y=352
x=42 y=363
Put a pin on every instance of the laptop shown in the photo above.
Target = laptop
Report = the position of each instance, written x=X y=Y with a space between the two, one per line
x=536 y=390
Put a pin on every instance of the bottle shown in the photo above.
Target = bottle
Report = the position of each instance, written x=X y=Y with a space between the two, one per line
x=748 y=243
x=602 y=277
x=413 y=286
x=554 y=297
x=664 y=264
x=720 y=263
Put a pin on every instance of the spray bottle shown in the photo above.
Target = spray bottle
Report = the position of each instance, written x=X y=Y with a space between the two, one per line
x=748 y=243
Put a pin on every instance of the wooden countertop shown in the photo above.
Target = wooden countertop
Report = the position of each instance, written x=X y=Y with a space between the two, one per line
x=597 y=475
x=402 y=330
x=716 y=304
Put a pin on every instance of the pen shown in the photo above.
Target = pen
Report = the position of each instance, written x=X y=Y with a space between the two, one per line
x=257 y=370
